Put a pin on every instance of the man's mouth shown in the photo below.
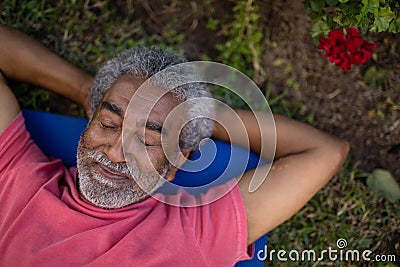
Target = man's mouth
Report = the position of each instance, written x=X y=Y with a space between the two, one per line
x=112 y=174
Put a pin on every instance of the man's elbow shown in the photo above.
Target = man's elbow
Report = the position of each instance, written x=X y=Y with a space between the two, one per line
x=339 y=151
x=344 y=148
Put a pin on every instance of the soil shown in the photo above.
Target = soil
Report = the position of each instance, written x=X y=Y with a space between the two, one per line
x=341 y=102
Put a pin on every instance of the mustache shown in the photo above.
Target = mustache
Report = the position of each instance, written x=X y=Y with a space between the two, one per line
x=101 y=158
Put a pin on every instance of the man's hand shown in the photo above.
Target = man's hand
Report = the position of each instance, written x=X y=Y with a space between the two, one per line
x=305 y=160
x=9 y=107
x=26 y=60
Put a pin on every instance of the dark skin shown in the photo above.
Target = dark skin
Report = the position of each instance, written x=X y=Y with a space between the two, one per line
x=305 y=158
x=98 y=179
x=105 y=130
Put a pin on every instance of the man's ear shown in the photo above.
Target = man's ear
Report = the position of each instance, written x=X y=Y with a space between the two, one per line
x=182 y=158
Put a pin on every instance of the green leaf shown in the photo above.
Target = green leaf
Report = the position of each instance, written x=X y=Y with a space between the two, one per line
x=317 y=5
x=382 y=19
x=330 y=21
x=371 y=6
x=362 y=22
x=376 y=77
x=338 y=19
x=343 y=1
x=394 y=26
x=318 y=29
x=331 y=2
x=213 y=24
x=383 y=182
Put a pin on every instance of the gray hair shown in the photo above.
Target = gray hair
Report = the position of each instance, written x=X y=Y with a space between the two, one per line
x=145 y=62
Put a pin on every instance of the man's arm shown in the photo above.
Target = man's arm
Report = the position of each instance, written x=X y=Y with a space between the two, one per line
x=305 y=160
x=26 y=60
x=9 y=107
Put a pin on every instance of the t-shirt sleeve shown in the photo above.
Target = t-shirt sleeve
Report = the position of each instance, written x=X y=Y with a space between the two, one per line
x=221 y=229
x=16 y=146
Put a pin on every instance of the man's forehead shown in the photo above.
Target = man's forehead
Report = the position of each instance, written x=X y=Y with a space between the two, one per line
x=124 y=87
x=150 y=97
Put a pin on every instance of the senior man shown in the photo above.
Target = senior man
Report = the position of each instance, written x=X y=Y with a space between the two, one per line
x=96 y=214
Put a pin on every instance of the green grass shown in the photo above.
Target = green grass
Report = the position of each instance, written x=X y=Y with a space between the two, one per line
x=345 y=208
x=85 y=35
x=89 y=35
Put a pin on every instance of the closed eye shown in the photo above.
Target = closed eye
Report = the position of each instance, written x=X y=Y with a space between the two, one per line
x=107 y=125
x=148 y=142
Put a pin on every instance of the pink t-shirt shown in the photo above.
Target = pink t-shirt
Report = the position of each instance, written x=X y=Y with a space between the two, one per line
x=44 y=222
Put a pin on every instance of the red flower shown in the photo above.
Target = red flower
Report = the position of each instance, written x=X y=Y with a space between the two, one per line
x=336 y=36
x=352 y=31
x=353 y=44
x=344 y=50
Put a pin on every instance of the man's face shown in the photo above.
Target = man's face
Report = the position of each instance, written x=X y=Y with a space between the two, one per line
x=103 y=175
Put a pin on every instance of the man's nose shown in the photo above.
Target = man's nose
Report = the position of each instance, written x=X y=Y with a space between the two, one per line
x=114 y=150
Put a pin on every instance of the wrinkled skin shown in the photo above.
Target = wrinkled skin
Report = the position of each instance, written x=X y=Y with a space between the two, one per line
x=104 y=178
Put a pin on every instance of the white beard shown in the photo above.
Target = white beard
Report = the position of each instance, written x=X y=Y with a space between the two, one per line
x=106 y=194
